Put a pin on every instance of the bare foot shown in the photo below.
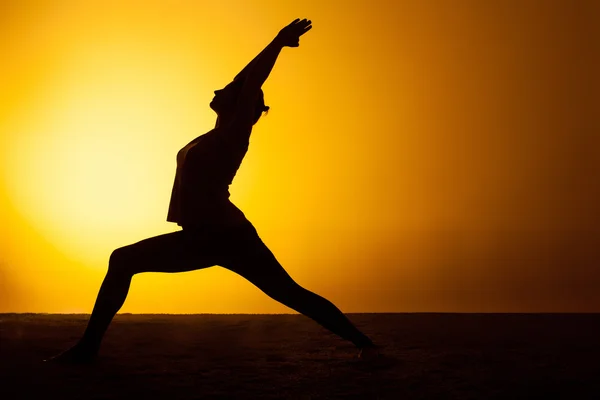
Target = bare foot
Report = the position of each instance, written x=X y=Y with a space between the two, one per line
x=372 y=357
x=369 y=352
x=77 y=354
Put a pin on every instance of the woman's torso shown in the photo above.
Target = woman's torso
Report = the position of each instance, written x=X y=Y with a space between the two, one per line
x=205 y=168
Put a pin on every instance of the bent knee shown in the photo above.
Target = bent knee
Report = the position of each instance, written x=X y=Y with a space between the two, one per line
x=121 y=261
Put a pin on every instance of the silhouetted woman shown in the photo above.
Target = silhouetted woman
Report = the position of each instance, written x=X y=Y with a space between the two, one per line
x=214 y=231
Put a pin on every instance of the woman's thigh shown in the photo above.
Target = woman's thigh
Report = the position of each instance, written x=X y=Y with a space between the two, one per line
x=252 y=259
x=238 y=249
x=172 y=252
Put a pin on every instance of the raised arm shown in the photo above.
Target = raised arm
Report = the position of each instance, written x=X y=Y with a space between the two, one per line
x=243 y=73
x=257 y=72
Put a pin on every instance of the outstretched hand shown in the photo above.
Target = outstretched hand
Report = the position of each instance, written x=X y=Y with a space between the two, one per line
x=290 y=35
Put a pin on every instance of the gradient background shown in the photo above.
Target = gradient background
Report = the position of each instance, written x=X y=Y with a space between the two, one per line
x=418 y=156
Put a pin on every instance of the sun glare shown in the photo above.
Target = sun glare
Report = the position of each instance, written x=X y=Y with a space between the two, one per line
x=91 y=163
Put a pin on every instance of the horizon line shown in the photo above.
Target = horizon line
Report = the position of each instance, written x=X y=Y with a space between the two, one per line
x=347 y=313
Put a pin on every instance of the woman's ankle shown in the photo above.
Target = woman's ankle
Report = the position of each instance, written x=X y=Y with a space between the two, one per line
x=87 y=346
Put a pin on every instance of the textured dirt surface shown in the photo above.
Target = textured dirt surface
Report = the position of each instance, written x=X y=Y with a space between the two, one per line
x=429 y=356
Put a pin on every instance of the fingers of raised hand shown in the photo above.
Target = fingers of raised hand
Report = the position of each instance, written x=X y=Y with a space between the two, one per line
x=301 y=27
x=293 y=22
x=307 y=28
x=294 y=30
x=299 y=23
x=303 y=23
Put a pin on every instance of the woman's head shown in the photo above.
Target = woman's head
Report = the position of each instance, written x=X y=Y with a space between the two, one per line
x=225 y=101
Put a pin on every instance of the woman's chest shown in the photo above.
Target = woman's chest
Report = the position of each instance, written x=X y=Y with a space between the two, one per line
x=202 y=148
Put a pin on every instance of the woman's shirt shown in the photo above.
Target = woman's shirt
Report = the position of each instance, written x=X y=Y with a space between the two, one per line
x=205 y=168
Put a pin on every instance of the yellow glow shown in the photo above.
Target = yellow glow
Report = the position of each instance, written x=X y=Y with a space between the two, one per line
x=418 y=156
x=87 y=163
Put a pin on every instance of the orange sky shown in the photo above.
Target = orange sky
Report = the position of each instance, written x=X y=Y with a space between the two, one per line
x=422 y=156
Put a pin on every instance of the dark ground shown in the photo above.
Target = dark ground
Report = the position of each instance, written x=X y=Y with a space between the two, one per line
x=445 y=356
